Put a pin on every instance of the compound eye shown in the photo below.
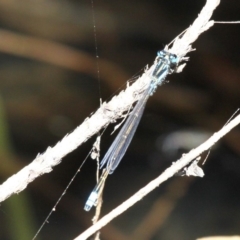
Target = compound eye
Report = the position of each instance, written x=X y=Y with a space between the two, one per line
x=174 y=59
x=161 y=54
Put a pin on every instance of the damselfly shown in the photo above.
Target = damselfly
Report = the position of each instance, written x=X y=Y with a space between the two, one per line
x=166 y=63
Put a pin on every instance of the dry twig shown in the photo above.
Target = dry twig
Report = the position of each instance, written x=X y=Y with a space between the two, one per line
x=105 y=115
x=168 y=173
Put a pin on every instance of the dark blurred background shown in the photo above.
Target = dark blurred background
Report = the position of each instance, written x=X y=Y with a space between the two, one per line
x=49 y=85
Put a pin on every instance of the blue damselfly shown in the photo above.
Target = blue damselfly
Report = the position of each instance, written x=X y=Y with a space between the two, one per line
x=166 y=63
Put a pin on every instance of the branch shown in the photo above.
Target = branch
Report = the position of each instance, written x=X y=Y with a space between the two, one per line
x=168 y=173
x=106 y=114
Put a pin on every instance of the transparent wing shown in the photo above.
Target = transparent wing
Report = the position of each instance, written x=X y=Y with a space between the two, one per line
x=166 y=63
x=119 y=146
